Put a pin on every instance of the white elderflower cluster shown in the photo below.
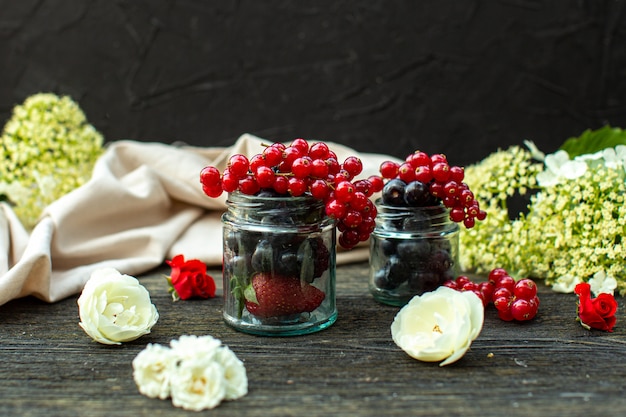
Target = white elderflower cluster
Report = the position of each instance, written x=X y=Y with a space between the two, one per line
x=575 y=225
x=197 y=373
x=47 y=149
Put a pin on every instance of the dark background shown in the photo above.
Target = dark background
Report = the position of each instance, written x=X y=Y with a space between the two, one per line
x=389 y=76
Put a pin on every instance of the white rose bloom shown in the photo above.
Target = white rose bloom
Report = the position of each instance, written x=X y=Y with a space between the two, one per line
x=151 y=371
x=197 y=385
x=115 y=308
x=235 y=376
x=439 y=325
x=191 y=346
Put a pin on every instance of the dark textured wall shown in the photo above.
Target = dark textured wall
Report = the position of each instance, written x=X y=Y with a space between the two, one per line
x=391 y=76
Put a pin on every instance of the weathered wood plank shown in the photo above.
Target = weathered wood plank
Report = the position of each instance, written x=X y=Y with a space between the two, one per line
x=550 y=366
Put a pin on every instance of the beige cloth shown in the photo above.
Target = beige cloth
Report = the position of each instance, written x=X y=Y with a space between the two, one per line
x=144 y=204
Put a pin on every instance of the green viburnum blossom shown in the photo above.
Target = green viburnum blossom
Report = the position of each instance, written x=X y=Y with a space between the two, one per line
x=47 y=149
x=573 y=228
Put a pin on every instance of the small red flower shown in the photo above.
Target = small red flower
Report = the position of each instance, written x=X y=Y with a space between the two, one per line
x=597 y=313
x=189 y=279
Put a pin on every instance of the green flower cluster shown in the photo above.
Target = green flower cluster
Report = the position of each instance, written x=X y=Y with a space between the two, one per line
x=574 y=228
x=47 y=149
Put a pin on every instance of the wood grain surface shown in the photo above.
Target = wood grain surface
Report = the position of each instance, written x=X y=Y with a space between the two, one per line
x=550 y=366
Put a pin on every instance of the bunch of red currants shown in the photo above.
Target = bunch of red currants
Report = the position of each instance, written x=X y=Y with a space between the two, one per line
x=514 y=300
x=301 y=168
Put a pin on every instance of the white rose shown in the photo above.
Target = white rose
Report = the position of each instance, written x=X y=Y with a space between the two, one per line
x=191 y=347
x=197 y=384
x=151 y=370
x=115 y=308
x=235 y=376
x=438 y=325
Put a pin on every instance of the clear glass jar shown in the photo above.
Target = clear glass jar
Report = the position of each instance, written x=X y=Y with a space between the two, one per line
x=279 y=265
x=412 y=250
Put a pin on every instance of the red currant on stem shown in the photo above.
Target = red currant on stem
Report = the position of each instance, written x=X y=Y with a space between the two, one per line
x=318 y=150
x=238 y=166
x=353 y=165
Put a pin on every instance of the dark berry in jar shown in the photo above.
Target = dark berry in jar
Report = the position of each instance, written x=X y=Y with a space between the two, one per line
x=393 y=192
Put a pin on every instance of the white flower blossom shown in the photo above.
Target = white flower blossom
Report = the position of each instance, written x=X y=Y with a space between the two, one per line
x=438 y=325
x=191 y=347
x=602 y=283
x=199 y=372
x=152 y=368
x=197 y=385
x=566 y=283
x=115 y=308
x=234 y=373
x=560 y=167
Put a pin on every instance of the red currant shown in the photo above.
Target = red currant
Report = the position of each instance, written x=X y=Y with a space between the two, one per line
x=389 y=169
x=353 y=165
x=335 y=209
x=318 y=150
x=521 y=310
x=377 y=183
x=265 y=176
x=301 y=167
x=238 y=166
x=210 y=176
x=457 y=173
x=297 y=186
x=525 y=289
x=344 y=191
x=441 y=171
x=302 y=145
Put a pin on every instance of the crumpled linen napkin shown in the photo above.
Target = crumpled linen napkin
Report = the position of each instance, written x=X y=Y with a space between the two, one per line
x=143 y=204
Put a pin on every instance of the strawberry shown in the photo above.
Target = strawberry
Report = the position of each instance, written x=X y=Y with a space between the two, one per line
x=278 y=295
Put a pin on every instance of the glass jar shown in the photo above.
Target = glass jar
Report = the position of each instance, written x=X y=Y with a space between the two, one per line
x=279 y=265
x=412 y=250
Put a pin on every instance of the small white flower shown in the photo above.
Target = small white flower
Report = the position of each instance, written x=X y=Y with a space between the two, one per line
x=566 y=283
x=235 y=376
x=602 y=283
x=152 y=368
x=115 y=308
x=197 y=385
x=438 y=325
x=560 y=167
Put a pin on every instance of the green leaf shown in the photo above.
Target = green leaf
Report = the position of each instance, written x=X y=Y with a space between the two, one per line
x=250 y=295
x=592 y=141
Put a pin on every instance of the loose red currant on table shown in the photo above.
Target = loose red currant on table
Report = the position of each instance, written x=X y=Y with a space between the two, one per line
x=512 y=300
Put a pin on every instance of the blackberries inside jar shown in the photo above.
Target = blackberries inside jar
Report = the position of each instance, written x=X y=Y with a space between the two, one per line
x=414 y=247
x=279 y=264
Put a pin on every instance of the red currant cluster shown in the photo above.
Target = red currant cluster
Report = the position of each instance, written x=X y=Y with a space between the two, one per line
x=443 y=182
x=513 y=300
x=299 y=169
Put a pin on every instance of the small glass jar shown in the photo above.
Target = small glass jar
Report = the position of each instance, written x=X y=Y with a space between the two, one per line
x=279 y=265
x=412 y=250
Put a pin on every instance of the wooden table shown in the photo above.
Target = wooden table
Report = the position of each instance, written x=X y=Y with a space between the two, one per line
x=548 y=367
